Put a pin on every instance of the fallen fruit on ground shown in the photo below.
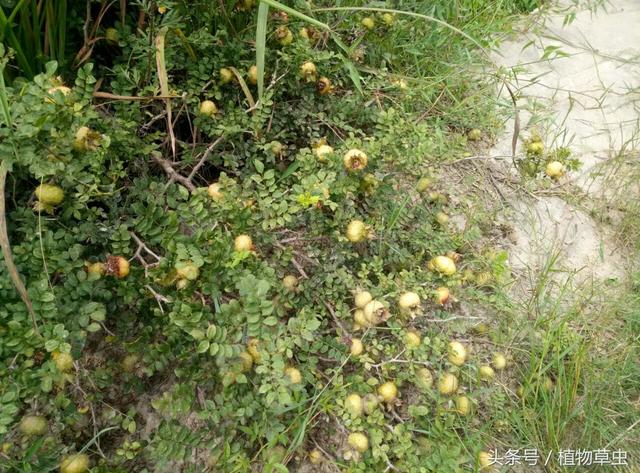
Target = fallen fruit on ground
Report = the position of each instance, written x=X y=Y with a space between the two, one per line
x=214 y=191
x=457 y=353
x=63 y=361
x=358 y=441
x=356 y=347
x=486 y=373
x=294 y=375
x=315 y=456
x=226 y=75
x=355 y=160
x=408 y=301
x=412 y=340
x=78 y=463
x=424 y=378
x=374 y=313
x=308 y=71
x=117 y=266
x=290 y=282
x=388 y=391
x=368 y=22
x=442 y=295
x=357 y=231
x=243 y=243
x=499 y=361
x=362 y=298
x=448 y=384
x=463 y=405
x=33 y=425
x=554 y=169
x=444 y=265
x=354 y=405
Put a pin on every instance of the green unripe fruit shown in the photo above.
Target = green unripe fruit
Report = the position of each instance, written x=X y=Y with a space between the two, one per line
x=49 y=195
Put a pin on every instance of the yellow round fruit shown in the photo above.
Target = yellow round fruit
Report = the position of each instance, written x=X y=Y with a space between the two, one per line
x=388 y=391
x=442 y=295
x=96 y=268
x=474 y=135
x=442 y=218
x=355 y=160
x=308 y=71
x=322 y=152
x=448 y=384
x=356 y=231
x=408 y=301
x=368 y=22
x=78 y=463
x=535 y=147
x=33 y=425
x=63 y=361
x=362 y=298
x=112 y=35
x=457 y=353
x=226 y=75
x=486 y=373
x=252 y=75
x=117 y=266
x=554 y=169
x=499 y=361
x=243 y=243
x=49 y=194
x=388 y=18
x=485 y=461
x=214 y=191
x=315 y=456
x=463 y=405
x=374 y=313
x=283 y=35
x=354 y=405
x=423 y=184
x=424 y=378
x=294 y=375
x=208 y=108
x=358 y=441
x=411 y=340
x=290 y=282
x=359 y=318
x=444 y=265
x=356 y=347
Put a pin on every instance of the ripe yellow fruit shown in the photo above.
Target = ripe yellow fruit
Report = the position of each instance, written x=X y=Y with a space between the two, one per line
x=412 y=340
x=355 y=160
x=486 y=373
x=408 y=301
x=246 y=361
x=474 y=135
x=226 y=75
x=356 y=347
x=86 y=139
x=294 y=375
x=49 y=194
x=117 y=266
x=368 y=22
x=362 y=298
x=96 y=268
x=33 y=425
x=499 y=361
x=448 y=384
x=388 y=391
x=78 y=463
x=388 y=18
x=290 y=282
x=315 y=456
x=374 y=313
x=324 y=86
x=444 y=265
x=535 y=147
x=485 y=461
x=463 y=406
x=356 y=231
x=308 y=71
x=424 y=378
x=112 y=35
x=253 y=346
x=554 y=169
x=358 y=441
x=214 y=191
x=63 y=361
x=442 y=295
x=252 y=75
x=322 y=151
x=243 y=243
x=457 y=353
x=208 y=108
x=354 y=405
x=442 y=218
x=359 y=318
x=284 y=36
x=423 y=184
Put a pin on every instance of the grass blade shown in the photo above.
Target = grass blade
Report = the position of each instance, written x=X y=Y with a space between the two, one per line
x=261 y=44
x=163 y=78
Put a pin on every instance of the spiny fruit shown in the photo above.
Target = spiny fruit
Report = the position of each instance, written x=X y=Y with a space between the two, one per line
x=424 y=378
x=322 y=151
x=457 y=353
x=355 y=160
x=442 y=295
x=284 y=36
x=535 y=148
x=208 y=108
x=408 y=301
x=188 y=271
x=315 y=456
x=226 y=75
x=357 y=347
x=388 y=18
x=49 y=194
x=294 y=375
x=308 y=71
x=411 y=339
x=448 y=384
x=252 y=75
x=63 y=361
x=362 y=298
x=423 y=184
x=486 y=373
x=444 y=265
x=442 y=218
x=354 y=405
x=499 y=361
x=474 y=135
x=214 y=191
x=358 y=441
x=117 y=266
x=290 y=282
x=485 y=461
x=323 y=86
x=388 y=391
x=78 y=463
x=96 y=268
x=243 y=243
x=33 y=425
x=463 y=406
x=357 y=231
x=554 y=169
x=368 y=22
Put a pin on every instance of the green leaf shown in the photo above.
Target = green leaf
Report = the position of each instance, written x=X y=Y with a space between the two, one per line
x=203 y=346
